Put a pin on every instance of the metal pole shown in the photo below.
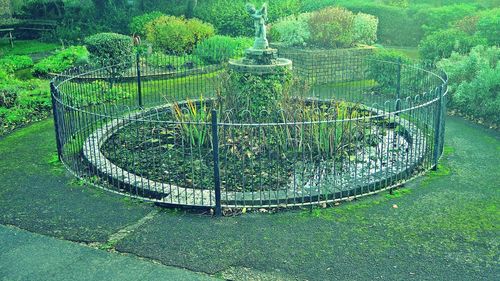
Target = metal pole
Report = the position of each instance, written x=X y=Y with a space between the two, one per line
x=53 y=92
x=139 y=88
x=437 y=129
x=215 y=141
x=398 y=87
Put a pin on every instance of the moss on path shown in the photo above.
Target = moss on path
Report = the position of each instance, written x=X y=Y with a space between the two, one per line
x=37 y=194
x=446 y=226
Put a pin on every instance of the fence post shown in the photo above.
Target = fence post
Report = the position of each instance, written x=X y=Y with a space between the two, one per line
x=139 y=88
x=398 y=87
x=437 y=127
x=215 y=142
x=53 y=92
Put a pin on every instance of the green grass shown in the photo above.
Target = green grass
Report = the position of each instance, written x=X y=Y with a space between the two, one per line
x=26 y=47
x=411 y=52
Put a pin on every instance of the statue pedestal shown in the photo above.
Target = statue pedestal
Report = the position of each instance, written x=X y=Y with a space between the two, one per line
x=260 y=61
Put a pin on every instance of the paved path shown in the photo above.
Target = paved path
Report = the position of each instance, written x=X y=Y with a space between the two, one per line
x=445 y=228
x=28 y=256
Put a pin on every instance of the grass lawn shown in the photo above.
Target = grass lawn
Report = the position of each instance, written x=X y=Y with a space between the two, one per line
x=26 y=47
x=411 y=52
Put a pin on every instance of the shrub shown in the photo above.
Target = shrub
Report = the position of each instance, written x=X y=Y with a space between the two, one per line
x=22 y=101
x=332 y=27
x=8 y=95
x=442 y=43
x=480 y=97
x=488 y=26
x=365 y=29
x=437 y=18
x=176 y=35
x=138 y=23
x=383 y=68
x=230 y=17
x=13 y=63
x=474 y=82
x=61 y=61
x=467 y=24
x=292 y=30
x=108 y=49
x=396 y=27
x=220 y=48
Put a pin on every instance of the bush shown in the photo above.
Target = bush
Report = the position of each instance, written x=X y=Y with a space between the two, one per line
x=220 y=48
x=13 y=63
x=8 y=95
x=61 y=61
x=292 y=30
x=488 y=26
x=437 y=18
x=480 y=97
x=467 y=24
x=384 y=73
x=474 y=82
x=396 y=27
x=138 y=23
x=332 y=28
x=22 y=101
x=110 y=49
x=365 y=29
x=442 y=43
x=230 y=17
x=176 y=35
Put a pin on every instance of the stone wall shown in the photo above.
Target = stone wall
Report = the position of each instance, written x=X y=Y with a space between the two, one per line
x=327 y=66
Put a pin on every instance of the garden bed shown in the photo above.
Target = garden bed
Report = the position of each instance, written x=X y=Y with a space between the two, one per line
x=164 y=167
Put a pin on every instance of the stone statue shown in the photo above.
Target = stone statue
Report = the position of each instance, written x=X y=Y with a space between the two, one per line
x=260 y=18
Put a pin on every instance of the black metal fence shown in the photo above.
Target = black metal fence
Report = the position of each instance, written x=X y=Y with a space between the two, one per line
x=155 y=129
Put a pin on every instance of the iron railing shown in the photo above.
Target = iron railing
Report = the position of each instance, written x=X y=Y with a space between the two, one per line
x=156 y=130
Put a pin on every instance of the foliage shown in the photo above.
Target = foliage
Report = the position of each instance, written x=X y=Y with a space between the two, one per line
x=474 y=82
x=176 y=35
x=332 y=27
x=292 y=30
x=192 y=118
x=384 y=69
x=256 y=93
x=467 y=24
x=488 y=26
x=138 y=23
x=437 y=18
x=110 y=49
x=100 y=92
x=61 y=61
x=229 y=17
x=442 y=43
x=22 y=101
x=219 y=48
x=365 y=29
x=396 y=26
x=397 y=3
x=13 y=63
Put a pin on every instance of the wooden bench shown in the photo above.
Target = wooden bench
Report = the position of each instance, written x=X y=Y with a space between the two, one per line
x=38 y=25
x=8 y=32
